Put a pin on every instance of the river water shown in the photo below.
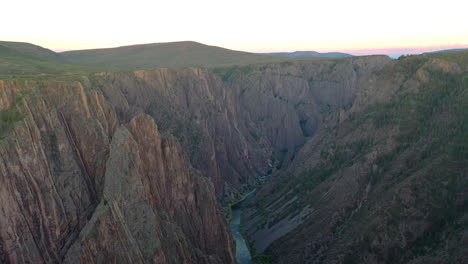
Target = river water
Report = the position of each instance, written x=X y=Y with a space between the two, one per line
x=242 y=250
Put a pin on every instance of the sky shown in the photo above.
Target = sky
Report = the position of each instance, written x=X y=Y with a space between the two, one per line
x=357 y=26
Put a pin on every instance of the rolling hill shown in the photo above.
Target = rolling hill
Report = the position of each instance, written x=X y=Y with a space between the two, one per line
x=19 y=58
x=165 y=55
x=27 y=59
x=31 y=50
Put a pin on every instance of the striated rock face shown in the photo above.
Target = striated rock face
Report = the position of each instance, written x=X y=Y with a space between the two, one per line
x=155 y=207
x=52 y=167
x=284 y=104
x=68 y=194
x=197 y=108
x=239 y=122
x=384 y=181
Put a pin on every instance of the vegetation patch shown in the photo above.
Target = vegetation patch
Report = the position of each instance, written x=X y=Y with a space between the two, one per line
x=433 y=129
x=333 y=159
x=233 y=73
x=263 y=259
x=9 y=116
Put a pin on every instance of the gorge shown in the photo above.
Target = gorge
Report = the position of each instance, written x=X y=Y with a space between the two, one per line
x=134 y=163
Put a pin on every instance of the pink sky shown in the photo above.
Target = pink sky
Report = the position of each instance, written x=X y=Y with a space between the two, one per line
x=399 y=51
x=358 y=27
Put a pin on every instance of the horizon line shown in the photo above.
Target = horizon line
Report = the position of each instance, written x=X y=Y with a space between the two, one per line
x=353 y=51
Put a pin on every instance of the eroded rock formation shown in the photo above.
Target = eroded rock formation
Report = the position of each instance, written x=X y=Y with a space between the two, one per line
x=77 y=185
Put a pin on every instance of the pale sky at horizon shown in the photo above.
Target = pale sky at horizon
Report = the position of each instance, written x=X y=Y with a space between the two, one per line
x=257 y=26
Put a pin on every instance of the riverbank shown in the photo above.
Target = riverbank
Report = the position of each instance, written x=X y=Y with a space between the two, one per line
x=226 y=208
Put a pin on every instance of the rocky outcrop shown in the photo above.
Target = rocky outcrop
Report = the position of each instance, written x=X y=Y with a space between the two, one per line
x=198 y=109
x=68 y=194
x=52 y=167
x=155 y=207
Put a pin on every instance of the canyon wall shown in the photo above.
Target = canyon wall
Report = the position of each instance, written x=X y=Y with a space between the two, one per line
x=239 y=122
x=78 y=185
x=383 y=181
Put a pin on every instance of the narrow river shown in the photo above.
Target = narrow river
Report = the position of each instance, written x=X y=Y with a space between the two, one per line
x=242 y=250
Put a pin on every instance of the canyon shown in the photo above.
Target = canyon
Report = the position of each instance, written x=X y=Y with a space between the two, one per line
x=355 y=160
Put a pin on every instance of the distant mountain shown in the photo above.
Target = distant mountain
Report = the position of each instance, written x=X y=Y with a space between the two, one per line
x=444 y=51
x=167 y=55
x=309 y=54
x=17 y=58
x=31 y=50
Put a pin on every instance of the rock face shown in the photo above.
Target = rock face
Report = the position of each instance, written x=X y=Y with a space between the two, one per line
x=52 y=167
x=282 y=105
x=383 y=181
x=155 y=207
x=239 y=122
x=197 y=108
x=76 y=188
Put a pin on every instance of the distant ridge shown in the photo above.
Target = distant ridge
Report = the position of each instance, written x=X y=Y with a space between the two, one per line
x=309 y=54
x=168 y=55
x=31 y=50
x=19 y=58
x=444 y=51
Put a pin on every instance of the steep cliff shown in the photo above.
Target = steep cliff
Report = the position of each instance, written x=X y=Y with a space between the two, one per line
x=74 y=187
x=155 y=207
x=384 y=181
x=52 y=166
x=239 y=122
x=283 y=104
x=198 y=109
x=368 y=158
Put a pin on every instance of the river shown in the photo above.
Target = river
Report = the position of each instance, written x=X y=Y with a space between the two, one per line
x=242 y=250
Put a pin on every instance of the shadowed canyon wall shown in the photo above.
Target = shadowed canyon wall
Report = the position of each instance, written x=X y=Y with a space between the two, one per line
x=239 y=122
x=383 y=181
